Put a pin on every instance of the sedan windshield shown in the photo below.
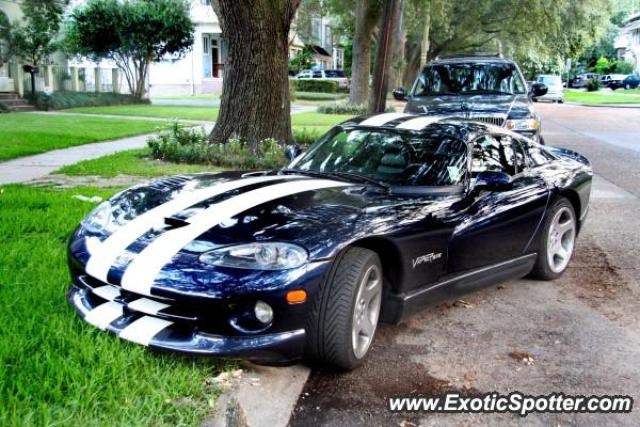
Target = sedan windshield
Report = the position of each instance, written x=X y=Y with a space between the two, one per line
x=469 y=78
x=394 y=158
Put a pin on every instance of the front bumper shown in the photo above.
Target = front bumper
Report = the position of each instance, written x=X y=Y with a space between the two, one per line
x=139 y=323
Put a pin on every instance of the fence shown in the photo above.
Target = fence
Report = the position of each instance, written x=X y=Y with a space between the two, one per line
x=70 y=78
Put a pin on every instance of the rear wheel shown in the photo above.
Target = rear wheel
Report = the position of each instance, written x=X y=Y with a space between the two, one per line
x=557 y=241
x=346 y=310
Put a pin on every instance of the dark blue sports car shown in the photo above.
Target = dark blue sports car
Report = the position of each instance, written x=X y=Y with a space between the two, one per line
x=380 y=217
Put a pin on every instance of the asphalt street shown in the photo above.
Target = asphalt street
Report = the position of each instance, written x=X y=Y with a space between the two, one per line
x=578 y=335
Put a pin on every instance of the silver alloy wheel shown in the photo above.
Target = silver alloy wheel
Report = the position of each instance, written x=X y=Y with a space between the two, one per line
x=366 y=311
x=561 y=239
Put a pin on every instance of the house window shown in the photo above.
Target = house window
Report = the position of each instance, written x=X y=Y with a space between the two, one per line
x=327 y=36
x=205 y=45
x=316 y=29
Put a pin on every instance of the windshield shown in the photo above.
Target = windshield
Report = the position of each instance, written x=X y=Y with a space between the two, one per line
x=550 y=80
x=387 y=156
x=469 y=78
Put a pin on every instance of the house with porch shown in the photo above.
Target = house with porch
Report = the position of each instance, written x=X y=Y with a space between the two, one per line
x=627 y=44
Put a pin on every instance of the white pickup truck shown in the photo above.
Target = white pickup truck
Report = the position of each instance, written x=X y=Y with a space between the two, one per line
x=335 y=75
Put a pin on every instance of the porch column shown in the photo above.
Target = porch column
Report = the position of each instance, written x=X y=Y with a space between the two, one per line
x=50 y=79
x=75 y=78
x=115 y=80
x=96 y=78
x=20 y=79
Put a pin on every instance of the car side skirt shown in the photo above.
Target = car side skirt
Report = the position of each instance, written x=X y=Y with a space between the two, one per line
x=397 y=307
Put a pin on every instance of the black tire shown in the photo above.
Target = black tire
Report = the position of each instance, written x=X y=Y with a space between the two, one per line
x=331 y=319
x=541 y=270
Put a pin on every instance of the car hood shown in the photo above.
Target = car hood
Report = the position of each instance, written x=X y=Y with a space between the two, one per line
x=154 y=241
x=465 y=106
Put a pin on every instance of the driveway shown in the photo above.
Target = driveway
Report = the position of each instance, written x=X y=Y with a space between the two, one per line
x=581 y=331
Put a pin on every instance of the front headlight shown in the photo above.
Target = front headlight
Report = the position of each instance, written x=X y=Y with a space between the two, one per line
x=100 y=220
x=257 y=256
x=522 y=124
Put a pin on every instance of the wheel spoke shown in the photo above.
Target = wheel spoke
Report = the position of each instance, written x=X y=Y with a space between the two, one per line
x=564 y=227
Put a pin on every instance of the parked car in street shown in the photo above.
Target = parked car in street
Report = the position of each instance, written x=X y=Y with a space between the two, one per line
x=555 y=89
x=380 y=217
x=488 y=89
x=617 y=81
x=335 y=75
x=581 y=80
x=605 y=80
x=632 y=81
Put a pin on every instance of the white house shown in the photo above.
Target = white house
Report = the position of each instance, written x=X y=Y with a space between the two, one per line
x=627 y=44
x=200 y=70
x=11 y=10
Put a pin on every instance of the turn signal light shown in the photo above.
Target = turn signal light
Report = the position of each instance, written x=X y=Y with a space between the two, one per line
x=296 y=297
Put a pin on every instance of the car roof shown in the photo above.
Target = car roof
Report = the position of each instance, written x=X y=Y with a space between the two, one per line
x=463 y=59
x=421 y=123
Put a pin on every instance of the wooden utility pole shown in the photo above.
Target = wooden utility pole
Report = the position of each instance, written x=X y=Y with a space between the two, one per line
x=389 y=25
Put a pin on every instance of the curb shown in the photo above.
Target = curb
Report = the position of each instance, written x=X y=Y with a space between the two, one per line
x=259 y=396
x=604 y=105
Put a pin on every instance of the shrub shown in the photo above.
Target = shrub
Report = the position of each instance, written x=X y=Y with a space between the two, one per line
x=314 y=85
x=593 y=85
x=64 y=99
x=191 y=145
x=4 y=108
x=356 y=110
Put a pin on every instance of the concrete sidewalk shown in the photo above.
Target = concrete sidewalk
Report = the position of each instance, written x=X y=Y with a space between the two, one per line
x=25 y=169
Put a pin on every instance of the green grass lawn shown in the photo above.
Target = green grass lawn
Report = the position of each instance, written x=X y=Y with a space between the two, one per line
x=163 y=111
x=317 y=119
x=24 y=134
x=131 y=162
x=604 y=98
x=187 y=97
x=54 y=368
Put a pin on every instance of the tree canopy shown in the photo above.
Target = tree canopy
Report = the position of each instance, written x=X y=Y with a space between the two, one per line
x=132 y=33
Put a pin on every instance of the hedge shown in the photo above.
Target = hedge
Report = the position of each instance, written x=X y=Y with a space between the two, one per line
x=314 y=85
x=65 y=99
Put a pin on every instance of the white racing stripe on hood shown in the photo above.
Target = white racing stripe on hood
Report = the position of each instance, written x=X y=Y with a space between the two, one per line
x=381 y=119
x=105 y=254
x=419 y=123
x=141 y=273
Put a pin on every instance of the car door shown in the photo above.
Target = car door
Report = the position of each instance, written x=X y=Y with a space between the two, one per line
x=497 y=226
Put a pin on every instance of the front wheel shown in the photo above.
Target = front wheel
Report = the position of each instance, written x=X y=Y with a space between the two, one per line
x=557 y=241
x=345 y=313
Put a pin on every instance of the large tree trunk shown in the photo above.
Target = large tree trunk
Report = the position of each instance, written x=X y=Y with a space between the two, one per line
x=367 y=12
x=255 y=92
x=390 y=21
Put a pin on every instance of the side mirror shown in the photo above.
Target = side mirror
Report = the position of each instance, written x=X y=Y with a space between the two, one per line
x=538 y=89
x=292 y=151
x=400 y=94
x=493 y=181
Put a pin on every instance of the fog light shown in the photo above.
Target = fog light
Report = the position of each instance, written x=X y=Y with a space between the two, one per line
x=263 y=312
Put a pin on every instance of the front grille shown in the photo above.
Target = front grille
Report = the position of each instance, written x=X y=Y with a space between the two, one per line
x=492 y=120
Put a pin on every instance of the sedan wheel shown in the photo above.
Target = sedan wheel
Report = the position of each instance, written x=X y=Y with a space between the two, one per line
x=627 y=86
x=561 y=239
x=345 y=312
x=557 y=241
x=366 y=311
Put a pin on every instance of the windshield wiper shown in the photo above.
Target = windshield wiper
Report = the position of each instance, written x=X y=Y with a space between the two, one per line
x=343 y=176
x=489 y=91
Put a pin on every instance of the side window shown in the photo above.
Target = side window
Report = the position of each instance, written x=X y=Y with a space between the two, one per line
x=537 y=156
x=520 y=157
x=492 y=154
x=317 y=74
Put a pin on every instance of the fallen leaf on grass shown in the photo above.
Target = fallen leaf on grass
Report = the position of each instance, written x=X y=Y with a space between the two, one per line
x=521 y=356
x=463 y=303
x=470 y=377
x=405 y=423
